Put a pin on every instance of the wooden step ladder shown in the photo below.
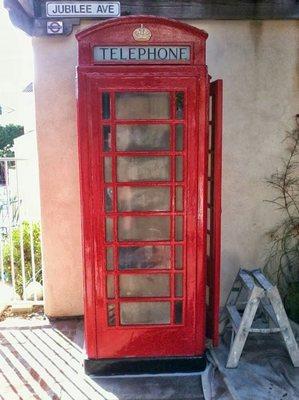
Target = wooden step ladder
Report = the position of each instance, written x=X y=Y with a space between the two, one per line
x=251 y=292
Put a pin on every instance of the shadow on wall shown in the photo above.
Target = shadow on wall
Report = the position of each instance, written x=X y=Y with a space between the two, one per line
x=228 y=275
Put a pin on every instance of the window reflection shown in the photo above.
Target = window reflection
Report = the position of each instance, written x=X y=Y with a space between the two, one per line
x=179 y=257
x=109 y=229
x=179 y=198
x=110 y=287
x=108 y=169
x=111 y=314
x=179 y=103
x=143 y=199
x=105 y=105
x=179 y=168
x=130 y=169
x=156 y=257
x=157 y=312
x=108 y=199
x=142 y=137
x=106 y=138
x=179 y=130
x=109 y=258
x=179 y=228
x=178 y=285
x=142 y=105
x=144 y=228
x=178 y=312
x=150 y=285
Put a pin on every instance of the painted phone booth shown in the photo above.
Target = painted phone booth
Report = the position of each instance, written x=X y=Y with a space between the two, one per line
x=149 y=123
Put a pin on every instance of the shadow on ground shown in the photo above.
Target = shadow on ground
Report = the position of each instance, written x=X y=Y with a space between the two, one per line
x=42 y=360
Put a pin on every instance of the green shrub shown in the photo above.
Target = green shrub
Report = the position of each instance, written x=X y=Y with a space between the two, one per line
x=16 y=245
x=282 y=264
x=292 y=301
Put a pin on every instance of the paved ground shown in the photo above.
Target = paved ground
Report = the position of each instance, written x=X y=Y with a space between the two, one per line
x=42 y=360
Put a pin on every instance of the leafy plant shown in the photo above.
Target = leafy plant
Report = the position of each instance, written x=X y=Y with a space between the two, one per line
x=282 y=265
x=14 y=247
x=7 y=135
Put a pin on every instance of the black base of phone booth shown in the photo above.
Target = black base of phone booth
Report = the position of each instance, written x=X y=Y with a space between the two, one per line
x=138 y=366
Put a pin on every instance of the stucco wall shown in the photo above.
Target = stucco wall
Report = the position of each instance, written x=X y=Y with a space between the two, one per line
x=259 y=63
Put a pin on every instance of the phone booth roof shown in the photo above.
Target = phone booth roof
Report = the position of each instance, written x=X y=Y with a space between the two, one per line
x=157 y=31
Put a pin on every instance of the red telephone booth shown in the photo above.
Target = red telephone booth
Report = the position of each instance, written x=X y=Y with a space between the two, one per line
x=149 y=124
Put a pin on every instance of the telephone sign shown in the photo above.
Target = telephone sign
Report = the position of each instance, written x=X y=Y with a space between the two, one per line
x=142 y=53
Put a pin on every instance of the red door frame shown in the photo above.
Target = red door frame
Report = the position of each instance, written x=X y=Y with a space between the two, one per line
x=117 y=32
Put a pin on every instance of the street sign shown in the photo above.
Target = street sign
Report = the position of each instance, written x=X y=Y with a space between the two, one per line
x=82 y=9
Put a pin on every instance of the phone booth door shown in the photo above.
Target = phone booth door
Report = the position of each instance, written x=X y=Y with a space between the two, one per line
x=143 y=152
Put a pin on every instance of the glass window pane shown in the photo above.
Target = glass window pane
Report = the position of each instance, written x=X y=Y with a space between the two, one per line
x=208 y=245
x=143 y=198
x=142 y=137
x=209 y=218
x=178 y=257
x=178 y=312
x=111 y=314
x=179 y=198
x=157 y=312
x=179 y=131
x=109 y=258
x=179 y=228
x=106 y=138
x=210 y=108
x=150 y=285
x=108 y=169
x=105 y=105
x=211 y=144
x=110 y=286
x=144 y=228
x=108 y=199
x=178 y=283
x=179 y=103
x=130 y=169
x=207 y=295
x=179 y=168
x=109 y=229
x=209 y=192
x=156 y=257
x=209 y=165
x=138 y=105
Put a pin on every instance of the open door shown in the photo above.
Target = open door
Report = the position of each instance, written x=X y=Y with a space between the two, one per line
x=214 y=211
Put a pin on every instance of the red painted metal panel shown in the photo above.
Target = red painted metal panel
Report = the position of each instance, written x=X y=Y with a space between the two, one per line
x=214 y=258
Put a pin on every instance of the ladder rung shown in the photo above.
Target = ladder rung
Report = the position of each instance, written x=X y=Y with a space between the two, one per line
x=246 y=279
x=234 y=316
x=269 y=310
x=265 y=330
x=262 y=280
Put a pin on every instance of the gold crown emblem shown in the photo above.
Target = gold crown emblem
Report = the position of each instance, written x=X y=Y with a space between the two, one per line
x=142 y=34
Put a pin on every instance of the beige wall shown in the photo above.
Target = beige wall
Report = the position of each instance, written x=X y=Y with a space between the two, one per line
x=259 y=63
